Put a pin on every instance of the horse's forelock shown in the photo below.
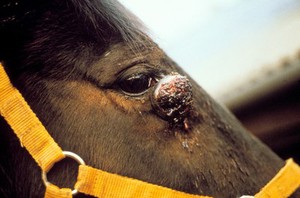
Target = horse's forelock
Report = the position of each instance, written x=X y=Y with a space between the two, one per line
x=112 y=14
x=55 y=32
x=94 y=12
x=99 y=21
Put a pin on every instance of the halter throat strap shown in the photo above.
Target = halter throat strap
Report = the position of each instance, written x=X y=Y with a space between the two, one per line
x=44 y=150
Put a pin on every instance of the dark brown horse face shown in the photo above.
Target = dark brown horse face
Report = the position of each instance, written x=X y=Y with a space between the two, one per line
x=129 y=109
x=110 y=119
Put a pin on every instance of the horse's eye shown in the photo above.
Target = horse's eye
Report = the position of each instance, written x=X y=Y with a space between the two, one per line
x=136 y=84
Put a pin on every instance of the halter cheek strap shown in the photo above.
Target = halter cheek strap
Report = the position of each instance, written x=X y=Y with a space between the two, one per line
x=44 y=150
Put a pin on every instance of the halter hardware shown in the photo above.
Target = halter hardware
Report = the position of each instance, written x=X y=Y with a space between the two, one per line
x=69 y=154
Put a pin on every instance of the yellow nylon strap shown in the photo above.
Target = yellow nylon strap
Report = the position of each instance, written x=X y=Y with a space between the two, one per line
x=284 y=183
x=99 y=183
x=53 y=191
x=30 y=131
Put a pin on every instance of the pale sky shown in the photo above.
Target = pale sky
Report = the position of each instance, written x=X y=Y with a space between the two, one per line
x=220 y=42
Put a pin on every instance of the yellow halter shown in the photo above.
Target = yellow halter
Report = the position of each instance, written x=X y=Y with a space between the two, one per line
x=44 y=150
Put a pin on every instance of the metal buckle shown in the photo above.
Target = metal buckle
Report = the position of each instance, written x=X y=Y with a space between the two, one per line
x=69 y=154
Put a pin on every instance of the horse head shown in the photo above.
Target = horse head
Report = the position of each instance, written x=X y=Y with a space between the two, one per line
x=105 y=90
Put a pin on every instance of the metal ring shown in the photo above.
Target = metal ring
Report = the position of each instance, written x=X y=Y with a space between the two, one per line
x=69 y=154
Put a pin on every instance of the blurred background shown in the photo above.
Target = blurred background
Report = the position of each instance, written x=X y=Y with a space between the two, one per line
x=246 y=54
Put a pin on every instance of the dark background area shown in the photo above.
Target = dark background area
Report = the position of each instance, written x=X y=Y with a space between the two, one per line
x=275 y=119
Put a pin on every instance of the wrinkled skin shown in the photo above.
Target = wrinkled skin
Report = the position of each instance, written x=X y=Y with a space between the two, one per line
x=70 y=79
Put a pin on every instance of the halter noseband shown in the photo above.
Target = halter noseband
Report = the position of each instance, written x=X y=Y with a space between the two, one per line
x=41 y=146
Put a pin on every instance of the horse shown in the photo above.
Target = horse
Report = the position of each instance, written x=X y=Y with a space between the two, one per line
x=94 y=78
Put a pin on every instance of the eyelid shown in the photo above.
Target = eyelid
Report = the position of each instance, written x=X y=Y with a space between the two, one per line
x=139 y=69
x=131 y=65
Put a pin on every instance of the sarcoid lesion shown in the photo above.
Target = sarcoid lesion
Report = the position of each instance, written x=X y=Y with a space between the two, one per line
x=172 y=98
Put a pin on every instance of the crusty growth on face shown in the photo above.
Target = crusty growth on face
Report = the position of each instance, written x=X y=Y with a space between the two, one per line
x=172 y=98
